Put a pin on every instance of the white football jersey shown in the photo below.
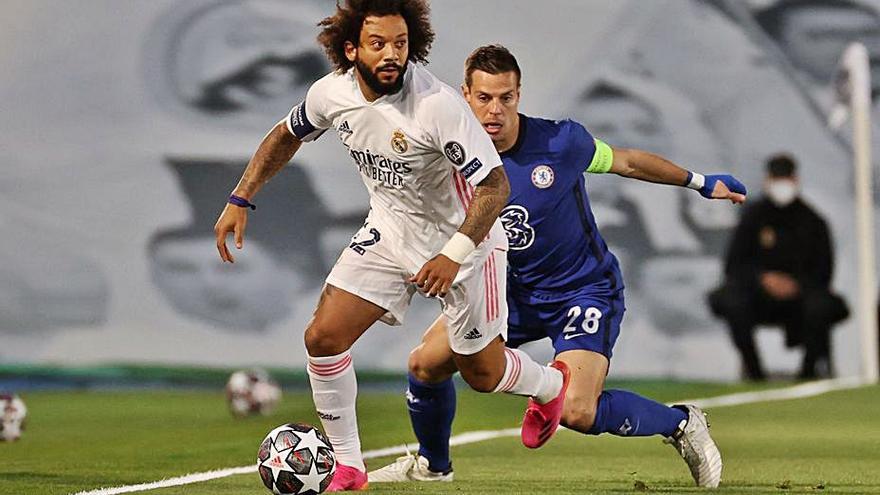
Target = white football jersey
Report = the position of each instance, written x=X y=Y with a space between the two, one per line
x=420 y=152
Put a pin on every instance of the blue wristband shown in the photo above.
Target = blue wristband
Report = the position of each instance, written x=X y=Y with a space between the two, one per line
x=239 y=201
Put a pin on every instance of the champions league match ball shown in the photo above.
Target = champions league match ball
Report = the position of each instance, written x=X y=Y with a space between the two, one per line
x=296 y=459
x=252 y=392
x=12 y=415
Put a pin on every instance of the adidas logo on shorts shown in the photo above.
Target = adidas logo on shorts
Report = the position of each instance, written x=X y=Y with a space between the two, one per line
x=473 y=334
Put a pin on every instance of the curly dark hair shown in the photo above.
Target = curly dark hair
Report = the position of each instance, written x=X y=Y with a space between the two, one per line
x=346 y=23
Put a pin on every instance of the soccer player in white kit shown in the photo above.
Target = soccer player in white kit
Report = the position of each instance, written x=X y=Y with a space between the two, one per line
x=436 y=188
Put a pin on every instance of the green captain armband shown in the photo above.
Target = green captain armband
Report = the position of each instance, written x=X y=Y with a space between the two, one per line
x=602 y=158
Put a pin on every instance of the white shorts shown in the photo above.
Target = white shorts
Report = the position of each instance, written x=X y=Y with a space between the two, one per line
x=475 y=307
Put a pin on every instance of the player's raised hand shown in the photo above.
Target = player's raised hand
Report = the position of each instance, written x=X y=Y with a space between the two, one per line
x=233 y=219
x=435 y=278
x=724 y=186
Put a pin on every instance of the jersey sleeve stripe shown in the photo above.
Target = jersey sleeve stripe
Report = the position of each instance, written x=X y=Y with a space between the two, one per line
x=466 y=188
x=603 y=157
x=459 y=191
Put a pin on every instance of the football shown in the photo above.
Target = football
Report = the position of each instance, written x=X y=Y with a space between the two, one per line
x=296 y=458
x=251 y=392
x=13 y=417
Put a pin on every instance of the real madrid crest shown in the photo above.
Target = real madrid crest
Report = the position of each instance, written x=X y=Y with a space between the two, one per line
x=542 y=176
x=398 y=142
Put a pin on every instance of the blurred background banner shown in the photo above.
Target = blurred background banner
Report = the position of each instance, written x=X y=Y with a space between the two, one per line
x=126 y=124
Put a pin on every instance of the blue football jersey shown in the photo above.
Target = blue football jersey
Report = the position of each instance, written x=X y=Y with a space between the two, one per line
x=555 y=245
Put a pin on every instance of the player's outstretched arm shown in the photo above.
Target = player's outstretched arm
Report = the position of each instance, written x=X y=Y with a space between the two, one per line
x=642 y=165
x=490 y=197
x=276 y=149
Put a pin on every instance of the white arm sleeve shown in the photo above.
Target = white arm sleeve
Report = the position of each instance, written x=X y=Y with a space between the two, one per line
x=462 y=139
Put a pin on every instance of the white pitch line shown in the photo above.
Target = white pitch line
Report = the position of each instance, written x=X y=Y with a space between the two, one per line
x=460 y=439
x=808 y=389
x=804 y=390
x=168 y=482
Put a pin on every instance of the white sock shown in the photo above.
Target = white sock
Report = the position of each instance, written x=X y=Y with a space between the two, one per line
x=334 y=390
x=523 y=376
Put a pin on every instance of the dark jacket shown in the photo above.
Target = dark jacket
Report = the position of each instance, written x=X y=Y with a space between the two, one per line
x=793 y=240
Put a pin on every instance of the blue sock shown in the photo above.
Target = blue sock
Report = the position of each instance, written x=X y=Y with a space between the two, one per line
x=431 y=409
x=627 y=414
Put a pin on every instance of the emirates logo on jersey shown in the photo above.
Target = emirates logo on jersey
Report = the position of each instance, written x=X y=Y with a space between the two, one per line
x=380 y=168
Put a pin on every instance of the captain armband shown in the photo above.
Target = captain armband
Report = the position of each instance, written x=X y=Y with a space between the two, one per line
x=602 y=158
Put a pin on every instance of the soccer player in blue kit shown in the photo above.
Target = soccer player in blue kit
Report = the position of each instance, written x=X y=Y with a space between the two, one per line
x=563 y=282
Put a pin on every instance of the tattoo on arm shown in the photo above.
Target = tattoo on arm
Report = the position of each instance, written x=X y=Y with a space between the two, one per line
x=277 y=148
x=490 y=197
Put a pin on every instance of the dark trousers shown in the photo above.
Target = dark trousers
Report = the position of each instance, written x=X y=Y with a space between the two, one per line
x=807 y=321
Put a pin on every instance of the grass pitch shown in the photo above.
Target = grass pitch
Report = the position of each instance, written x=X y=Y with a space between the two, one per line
x=83 y=441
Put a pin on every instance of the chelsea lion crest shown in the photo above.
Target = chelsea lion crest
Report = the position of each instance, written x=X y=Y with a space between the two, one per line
x=542 y=176
x=398 y=142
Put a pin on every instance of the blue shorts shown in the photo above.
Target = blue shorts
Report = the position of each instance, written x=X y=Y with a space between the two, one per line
x=587 y=318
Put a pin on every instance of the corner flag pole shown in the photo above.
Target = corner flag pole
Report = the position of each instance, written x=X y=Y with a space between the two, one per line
x=855 y=85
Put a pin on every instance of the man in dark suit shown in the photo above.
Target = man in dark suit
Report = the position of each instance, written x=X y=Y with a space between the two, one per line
x=778 y=270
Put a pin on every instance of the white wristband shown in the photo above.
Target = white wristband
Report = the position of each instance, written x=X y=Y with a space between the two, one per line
x=458 y=248
x=697 y=181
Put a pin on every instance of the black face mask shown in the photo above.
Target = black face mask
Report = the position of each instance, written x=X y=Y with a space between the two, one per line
x=373 y=81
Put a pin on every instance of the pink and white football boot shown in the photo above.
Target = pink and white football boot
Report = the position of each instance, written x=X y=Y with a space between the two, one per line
x=541 y=420
x=348 y=479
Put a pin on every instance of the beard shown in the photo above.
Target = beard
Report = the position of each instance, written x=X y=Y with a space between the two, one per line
x=371 y=78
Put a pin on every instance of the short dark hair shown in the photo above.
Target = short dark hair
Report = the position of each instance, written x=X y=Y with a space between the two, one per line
x=781 y=165
x=346 y=23
x=491 y=59
x=772 y=19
